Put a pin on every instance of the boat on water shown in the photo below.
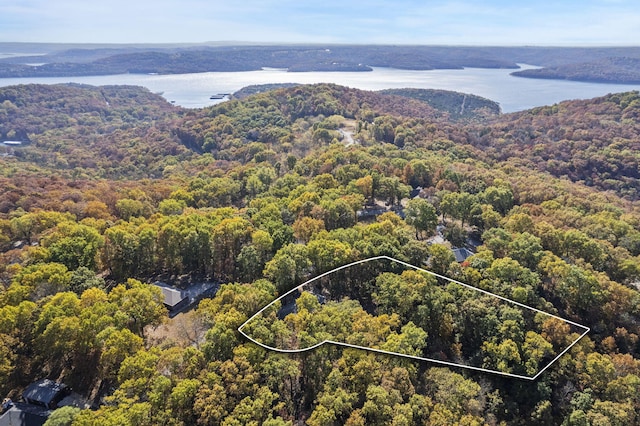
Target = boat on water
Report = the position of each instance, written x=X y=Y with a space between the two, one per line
x=220 y=96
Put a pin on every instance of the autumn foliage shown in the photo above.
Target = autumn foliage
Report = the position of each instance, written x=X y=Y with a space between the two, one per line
x=114 y=188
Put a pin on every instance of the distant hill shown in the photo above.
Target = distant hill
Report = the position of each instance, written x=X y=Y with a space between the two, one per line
x=103 y=130
x=621 y=70
x=457 y=105
x=594 y=141
x=297 y=58
x=611 y=65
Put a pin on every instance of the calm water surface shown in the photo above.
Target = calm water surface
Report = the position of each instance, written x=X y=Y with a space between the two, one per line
x=512 y=93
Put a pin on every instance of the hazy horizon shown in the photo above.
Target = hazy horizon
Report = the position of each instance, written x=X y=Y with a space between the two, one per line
x=222 y=43
x=590 y=23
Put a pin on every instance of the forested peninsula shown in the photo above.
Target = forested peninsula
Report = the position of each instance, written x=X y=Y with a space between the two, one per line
x=107 y=191
x=609 y=70
x=593 y=64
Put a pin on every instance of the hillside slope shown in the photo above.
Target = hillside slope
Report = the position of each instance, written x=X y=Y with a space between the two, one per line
x=459 y=106
x=252 y=198
x=101 y=131
x=595 y=141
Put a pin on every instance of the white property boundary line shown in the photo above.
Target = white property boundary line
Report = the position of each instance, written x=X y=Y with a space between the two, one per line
x=451 y=364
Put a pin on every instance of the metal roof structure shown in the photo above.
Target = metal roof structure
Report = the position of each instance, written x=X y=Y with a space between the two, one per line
x=45 y=392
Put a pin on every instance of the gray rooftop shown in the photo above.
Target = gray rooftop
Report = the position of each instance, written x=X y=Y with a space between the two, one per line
x=22 y=414
x=172 y=296
x=462 y=254
x=43 y=391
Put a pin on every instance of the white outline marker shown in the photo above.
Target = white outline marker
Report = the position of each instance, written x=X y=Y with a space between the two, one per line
x=450 y=364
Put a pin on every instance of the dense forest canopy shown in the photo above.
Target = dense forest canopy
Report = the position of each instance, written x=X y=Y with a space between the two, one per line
x=113 y=189
x=429 y=309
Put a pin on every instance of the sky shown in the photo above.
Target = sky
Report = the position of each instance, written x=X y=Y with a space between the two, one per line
x=463 y=22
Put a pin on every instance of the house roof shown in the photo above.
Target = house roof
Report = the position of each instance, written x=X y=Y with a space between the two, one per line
x=462 y=254
x=43 y=391
x=172 y=296
x=24 y=415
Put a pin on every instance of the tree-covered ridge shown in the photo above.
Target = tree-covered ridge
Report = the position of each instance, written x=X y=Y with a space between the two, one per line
x=297 y=118
x=271 y=194
x=621 y=70
x=32 y=108
x=243 y=58
x=595 y=142
x=610 y=64
x=458 y=105
x=84 y=130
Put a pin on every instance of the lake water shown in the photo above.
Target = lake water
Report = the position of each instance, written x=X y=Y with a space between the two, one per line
x=512 y=93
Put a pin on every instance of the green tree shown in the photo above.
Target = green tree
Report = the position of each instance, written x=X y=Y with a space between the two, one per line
x=401 y=294
x=601 y=371
x=227 y=240
x=418 y=173
x=74 y=245
x=456 y=393
x=507 y=274
x=459 y=206
x=501 y=356
x=171 y=206
x=393 y=190
x=378 y=408
x=288 y=267
x=62 y=416
x=328 y=254
x=421 y=215
x=611 y=413
x=116 y=346
x=440 y=258
x=338 y=213
x=411 y=341
x=182 y=398
x=83 y=279
x=526 y=249
x=7 y=359
x=335 y=402
x=121 y=249
x=535 y=349
x=29 y=226
x=497 y=240
x=576 y=244
x=37 y=281
x=384 y=129
x=501 y=198
x=141 y=304
x=128 y=208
